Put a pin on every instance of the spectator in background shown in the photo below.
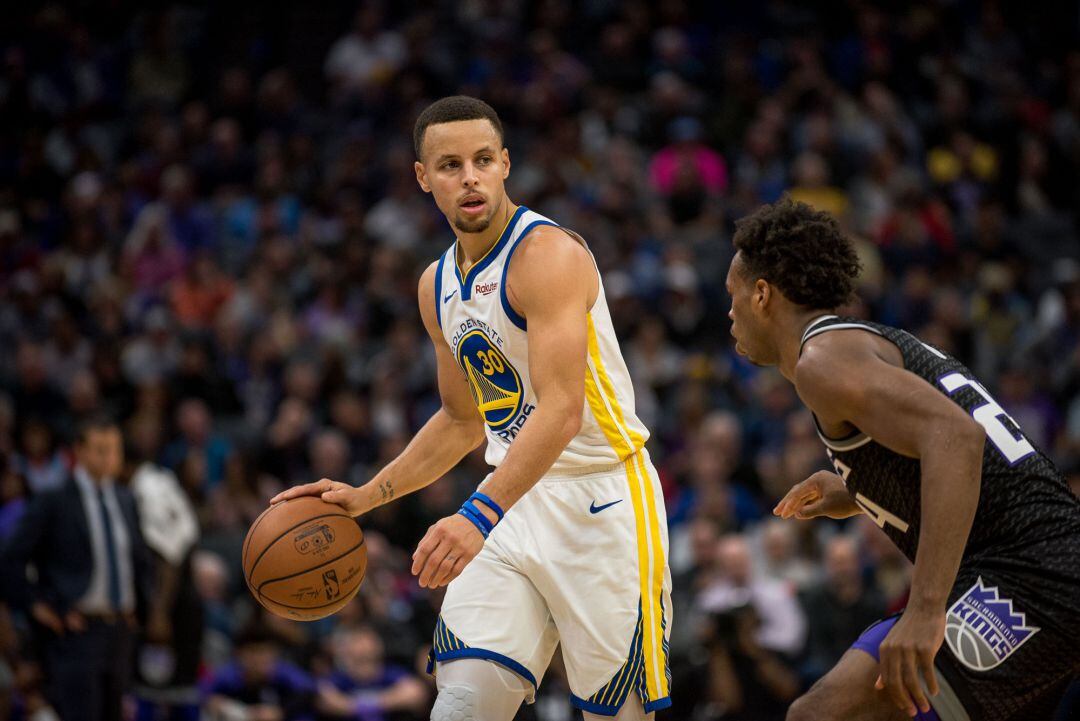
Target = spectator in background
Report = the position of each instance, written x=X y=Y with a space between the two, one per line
x=155 y=354
x=367 y=57
x=330 y=457
x=85 y=542
x=198 y=294
x=779 y=623
x=32 y=394
x=743 y=680
x=152 y=257
x=840 y=608
x=40 y=460
x=258 y=684
x=14 y=493
x=171 y=646
x=363 y=687
x=198 y=439
x=777 y=556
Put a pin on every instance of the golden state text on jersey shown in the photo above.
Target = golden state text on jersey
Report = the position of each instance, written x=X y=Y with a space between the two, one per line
x=496 y=385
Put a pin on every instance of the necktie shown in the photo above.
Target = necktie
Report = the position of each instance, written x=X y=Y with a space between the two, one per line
x=110 y=553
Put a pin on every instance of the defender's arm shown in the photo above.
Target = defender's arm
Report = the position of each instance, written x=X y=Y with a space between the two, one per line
x=844 y=377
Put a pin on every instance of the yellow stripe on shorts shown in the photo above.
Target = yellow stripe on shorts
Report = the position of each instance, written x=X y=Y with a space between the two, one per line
x=627 y=442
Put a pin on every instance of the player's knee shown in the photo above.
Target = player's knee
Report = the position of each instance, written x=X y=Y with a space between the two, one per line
x=455 y=703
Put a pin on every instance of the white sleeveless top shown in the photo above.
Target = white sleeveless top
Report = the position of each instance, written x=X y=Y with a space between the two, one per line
x=491 y=344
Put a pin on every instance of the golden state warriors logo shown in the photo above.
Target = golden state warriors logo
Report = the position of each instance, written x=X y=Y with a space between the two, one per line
x=495 y=384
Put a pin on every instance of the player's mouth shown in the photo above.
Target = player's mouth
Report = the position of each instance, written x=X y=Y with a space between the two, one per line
x=738 y=348
x=473 y=204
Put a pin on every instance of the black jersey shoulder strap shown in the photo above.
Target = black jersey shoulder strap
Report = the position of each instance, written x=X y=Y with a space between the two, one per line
x=824 y=323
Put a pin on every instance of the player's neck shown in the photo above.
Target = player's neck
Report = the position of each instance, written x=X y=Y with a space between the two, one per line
x=791 y=331
x=474 y=246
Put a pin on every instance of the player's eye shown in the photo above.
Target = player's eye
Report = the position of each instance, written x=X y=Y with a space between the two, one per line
x=484 y=160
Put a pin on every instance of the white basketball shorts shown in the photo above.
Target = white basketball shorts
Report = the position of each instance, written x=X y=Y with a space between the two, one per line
x=580 y=560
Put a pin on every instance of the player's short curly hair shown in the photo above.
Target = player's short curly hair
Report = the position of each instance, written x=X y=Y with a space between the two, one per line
x=452 y=109
x=799 y=250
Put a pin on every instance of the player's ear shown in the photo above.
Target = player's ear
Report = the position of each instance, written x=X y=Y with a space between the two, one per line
x=506 y=163
x=421 y=176
x=762 y=293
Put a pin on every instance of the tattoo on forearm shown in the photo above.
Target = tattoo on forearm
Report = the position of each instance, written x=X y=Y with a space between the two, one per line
x=386 y=488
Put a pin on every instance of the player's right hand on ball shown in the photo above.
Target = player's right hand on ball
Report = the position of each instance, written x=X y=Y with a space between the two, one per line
x=337 y=492
x=822 y=494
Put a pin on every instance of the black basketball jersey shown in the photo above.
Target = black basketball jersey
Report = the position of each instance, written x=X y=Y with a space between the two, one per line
x=1024 y=503
x=1016 y=597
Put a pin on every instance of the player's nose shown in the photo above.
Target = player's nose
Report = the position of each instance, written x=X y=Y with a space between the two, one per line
x=470 y=178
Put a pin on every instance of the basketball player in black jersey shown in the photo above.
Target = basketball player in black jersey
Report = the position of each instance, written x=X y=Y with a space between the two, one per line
x=992 y=626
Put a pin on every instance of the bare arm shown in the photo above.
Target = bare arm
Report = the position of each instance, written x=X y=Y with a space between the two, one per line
x=845 y=377
x=451 y=433
x=552 y=279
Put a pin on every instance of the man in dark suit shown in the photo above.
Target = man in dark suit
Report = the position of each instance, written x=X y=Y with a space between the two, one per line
x=84 y=543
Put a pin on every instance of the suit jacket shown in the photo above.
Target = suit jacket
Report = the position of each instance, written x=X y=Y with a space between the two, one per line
x=54 y=536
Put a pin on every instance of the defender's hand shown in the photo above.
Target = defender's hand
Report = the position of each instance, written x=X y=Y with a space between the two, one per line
x=907 y=652
x=344 y=495
x=822 y=494
x=445 y=550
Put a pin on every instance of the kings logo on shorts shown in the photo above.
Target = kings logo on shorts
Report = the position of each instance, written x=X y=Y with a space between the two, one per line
x=983 y=629
x=496 y=385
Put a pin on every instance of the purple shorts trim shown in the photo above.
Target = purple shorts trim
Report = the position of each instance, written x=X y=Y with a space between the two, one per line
x=870 y=642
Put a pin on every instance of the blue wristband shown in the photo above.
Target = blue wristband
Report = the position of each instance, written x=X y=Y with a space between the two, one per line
x=486 y=500
x=477 y=518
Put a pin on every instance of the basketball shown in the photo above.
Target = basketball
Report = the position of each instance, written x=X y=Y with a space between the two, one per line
x=304 y=558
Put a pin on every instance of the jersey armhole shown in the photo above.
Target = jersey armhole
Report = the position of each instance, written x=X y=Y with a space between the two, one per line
x=515 y=317
x=438 y=290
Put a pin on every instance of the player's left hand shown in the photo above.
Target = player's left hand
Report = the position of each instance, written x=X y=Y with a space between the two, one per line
x=907 y=652
x=445 y=550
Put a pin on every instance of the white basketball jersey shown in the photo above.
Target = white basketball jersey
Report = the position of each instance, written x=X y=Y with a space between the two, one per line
x=491 y=344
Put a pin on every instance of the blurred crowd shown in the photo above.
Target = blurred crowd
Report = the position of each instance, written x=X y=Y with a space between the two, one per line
x=210 y=230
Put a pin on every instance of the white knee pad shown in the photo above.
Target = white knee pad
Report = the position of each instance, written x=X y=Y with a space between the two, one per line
x=474 y=690
x=455 y=703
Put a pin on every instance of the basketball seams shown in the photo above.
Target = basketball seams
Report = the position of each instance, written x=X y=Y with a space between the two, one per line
x=306 y=570
x=287 y=531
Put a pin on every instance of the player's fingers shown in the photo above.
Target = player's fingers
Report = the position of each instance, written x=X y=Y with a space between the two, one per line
x=459 y=566
x=810 y=510
x=783 y=508
x=796 y=499
x=926 y=666
x=431 y=565
x=444 y=571
x=896 y=687
x=308 y=489
x=423 y=550
x=910 y=674
x=892 y=680
x=340 y=496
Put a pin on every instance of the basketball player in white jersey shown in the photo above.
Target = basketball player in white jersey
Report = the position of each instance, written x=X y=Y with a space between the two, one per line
x=566 y=540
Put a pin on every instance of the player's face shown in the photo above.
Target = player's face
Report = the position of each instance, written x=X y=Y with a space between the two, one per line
x=464 y=166
x=101 y=453
x=747 y=321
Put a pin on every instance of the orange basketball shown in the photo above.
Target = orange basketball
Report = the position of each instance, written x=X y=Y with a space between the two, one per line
x=304 y=558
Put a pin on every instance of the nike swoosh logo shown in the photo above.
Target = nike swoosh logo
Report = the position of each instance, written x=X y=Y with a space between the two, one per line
x=593 y=508
x=452 y=294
